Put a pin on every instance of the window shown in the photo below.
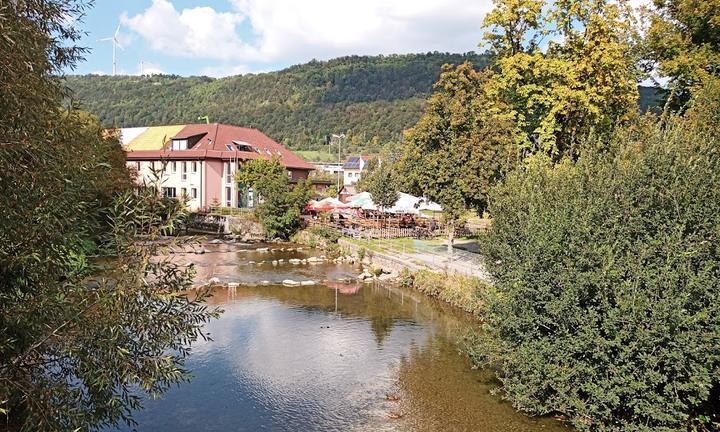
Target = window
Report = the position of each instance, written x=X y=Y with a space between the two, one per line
x=290 y=175
x=193 y=192
x=183 y=171
x=194 y=167
x=230 y=147
x=173 y=167
x=228 y=173
x=228 y=197
x=243 y=146
x=179 y=144
x=169 y=192
x=183 y=193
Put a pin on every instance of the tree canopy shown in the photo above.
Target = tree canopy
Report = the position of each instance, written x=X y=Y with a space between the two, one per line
x=605 y=307
x=459 y=148
x=683 y=42
x=371 y=99
x=91 y=318
x=566 y=69
x=281 y=202
x=380 y=181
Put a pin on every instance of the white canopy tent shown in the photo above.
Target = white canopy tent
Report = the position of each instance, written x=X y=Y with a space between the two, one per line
x=406 y=204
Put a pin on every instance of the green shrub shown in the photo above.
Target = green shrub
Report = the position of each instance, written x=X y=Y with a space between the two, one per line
x=282 y=202
x=465 y=292
x=328 y=234
x=607 y=301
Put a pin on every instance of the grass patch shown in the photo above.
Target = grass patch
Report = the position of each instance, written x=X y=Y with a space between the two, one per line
x=317 y=156
x=465 y=292
x=398 y=245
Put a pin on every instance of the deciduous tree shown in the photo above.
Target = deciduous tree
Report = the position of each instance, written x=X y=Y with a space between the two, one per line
x=565 y=68
x=282 y=202
x=380 y=181
x=683 y=40
x=79 y=341
x=606 y=300
x=460 y=147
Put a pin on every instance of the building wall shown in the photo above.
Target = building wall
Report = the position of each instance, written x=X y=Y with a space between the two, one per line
x=171 y=179
x=212 y=182
x=331 y=168
x=213 y=177
x=351 y=176
x=299 y=174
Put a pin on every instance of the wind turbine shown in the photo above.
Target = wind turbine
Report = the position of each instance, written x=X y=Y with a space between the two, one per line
x=115 y=43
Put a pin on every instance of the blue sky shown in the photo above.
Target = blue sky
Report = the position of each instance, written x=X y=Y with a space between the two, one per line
x=227 y=37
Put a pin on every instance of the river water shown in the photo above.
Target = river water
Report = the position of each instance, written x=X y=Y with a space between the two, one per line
x=329 y=357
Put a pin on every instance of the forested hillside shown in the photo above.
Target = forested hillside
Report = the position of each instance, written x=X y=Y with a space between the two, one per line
x=370 y=99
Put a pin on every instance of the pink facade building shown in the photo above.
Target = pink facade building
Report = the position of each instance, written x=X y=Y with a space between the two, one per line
x=199 y=161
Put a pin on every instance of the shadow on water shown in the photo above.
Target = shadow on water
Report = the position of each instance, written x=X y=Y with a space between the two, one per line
x=332 y=357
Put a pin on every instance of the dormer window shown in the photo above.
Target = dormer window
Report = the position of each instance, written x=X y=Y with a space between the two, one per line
x=229 y=147
x=179 y=144
x=243 y=146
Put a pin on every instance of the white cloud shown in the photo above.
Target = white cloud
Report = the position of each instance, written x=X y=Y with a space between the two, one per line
x=224 y=70
x=291 y=31
x=199 y=32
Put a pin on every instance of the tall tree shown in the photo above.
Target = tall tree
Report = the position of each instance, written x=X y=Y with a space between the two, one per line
x=683 y=40
x=566 y=68
x=380 y=182
x=281 y=202
x=459 y=148
x=76 y=353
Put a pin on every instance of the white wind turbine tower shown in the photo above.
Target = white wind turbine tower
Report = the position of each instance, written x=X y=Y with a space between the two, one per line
x=115 y=43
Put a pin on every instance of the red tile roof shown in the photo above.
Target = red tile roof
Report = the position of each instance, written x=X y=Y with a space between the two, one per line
x=215 y=138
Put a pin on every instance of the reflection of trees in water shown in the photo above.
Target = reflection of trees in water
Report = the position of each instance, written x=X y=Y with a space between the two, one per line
x=381 y=304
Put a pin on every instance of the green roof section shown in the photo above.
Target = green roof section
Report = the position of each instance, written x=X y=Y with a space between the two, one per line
x=154 y=138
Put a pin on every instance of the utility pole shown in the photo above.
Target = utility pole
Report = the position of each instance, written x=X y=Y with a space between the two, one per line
x=339 y=139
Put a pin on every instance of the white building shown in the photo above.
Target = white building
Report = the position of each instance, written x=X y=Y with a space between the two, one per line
x=353 y=168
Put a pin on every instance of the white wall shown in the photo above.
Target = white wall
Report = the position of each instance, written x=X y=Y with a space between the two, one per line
x=351 y=176
x=173 y=179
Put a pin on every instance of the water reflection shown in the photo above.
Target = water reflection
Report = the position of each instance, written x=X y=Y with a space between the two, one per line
x=333 y=357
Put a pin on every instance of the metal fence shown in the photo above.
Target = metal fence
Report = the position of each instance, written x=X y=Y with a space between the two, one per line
x=376 y=231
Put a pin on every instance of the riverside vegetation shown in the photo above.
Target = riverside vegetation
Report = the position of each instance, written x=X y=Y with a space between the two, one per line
x=89 y=321
x=605 y=222
x=603 y=246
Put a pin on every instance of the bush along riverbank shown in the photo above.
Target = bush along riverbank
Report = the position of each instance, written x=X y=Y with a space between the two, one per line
x=464 y=292
x=607 y=301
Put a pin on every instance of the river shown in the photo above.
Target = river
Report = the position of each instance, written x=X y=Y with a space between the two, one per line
x=328 y=357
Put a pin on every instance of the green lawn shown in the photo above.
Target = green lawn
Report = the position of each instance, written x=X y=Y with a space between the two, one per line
x=398 y=245
x=317 y=155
